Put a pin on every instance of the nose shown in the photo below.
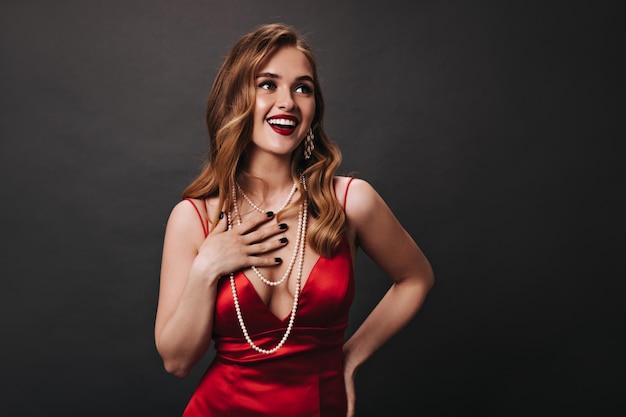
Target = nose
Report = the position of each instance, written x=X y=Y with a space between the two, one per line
x=285 y=101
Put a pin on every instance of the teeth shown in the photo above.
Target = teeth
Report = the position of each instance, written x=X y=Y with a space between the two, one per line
x=284 y=122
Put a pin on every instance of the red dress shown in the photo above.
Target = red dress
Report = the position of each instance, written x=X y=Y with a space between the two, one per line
x=304 y=378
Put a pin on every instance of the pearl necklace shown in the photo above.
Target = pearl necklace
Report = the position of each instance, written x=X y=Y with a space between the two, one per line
x=259 y=209
x=295 y=247
x=300 y=244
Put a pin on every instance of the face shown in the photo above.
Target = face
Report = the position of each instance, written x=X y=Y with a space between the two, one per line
x=285 y=102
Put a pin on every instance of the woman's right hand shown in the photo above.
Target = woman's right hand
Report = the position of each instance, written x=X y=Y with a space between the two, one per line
x=225 y=251
x=190 y=270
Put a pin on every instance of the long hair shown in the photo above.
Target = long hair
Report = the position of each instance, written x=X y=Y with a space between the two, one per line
x=229 y=119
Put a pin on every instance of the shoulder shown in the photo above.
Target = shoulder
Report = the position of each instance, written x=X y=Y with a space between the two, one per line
x=187 y=209
x=354 y=191
x=187 y=218
x=345 y=185
x=358 y=197
x=197 y=208
x=363 y=205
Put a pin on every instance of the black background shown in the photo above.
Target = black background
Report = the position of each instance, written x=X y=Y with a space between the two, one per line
x=492 y=129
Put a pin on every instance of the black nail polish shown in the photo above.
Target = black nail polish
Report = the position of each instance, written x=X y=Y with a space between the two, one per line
x=283 y=240
x=278 y=260
x=221 y=215
x=269 y=213
x=282 y=226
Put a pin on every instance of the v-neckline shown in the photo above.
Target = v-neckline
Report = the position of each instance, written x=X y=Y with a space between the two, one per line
x=266 y=307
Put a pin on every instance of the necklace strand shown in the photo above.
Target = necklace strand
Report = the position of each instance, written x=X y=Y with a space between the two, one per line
x=293 y=256
x=300 y=244
x=259 y=209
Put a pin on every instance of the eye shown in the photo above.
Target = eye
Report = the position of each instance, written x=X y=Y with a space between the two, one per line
x=304 y=89
x=267 y=85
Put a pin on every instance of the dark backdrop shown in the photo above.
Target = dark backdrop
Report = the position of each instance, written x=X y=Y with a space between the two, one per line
x=492 y=129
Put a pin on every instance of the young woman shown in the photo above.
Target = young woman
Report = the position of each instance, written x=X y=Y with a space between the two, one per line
x=259 y=254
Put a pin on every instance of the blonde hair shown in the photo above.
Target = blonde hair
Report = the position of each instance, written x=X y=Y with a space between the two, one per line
x=229 y=119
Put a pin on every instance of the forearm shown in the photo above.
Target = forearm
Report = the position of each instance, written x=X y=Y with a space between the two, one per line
x=186 y=335
x=394 y=311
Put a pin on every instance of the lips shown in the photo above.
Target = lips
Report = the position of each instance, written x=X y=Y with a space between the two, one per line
x=283 y=124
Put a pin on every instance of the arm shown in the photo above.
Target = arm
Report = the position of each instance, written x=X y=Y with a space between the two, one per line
x=190 y=270
x=380 y=235
x=184 y=319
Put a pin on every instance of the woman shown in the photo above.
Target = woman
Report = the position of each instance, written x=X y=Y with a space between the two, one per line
x=259 y=254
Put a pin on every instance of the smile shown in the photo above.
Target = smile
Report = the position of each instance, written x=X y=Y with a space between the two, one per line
x=283 y=124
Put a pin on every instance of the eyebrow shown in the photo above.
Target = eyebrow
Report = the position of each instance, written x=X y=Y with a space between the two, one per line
x=276 y=76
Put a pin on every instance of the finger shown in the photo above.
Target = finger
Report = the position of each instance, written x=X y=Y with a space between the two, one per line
x=222 y=223
x=263 y=261
x=253 y=222
x=266 y=246
x=264 y=233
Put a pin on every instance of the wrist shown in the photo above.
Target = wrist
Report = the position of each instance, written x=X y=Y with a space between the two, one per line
x=350 y=363
x=204 y=272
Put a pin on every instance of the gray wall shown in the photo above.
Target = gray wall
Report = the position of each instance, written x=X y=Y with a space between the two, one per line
x=491 y=129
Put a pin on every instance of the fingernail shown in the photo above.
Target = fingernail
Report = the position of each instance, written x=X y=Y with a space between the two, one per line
x=278 y=260
x=221 y=215
x=269 y=213
x=282 y=226
x=283 y=240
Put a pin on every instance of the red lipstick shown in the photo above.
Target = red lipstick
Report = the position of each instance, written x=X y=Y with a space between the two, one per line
x=283 y=124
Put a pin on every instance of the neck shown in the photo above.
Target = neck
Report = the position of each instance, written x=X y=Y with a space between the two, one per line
x=274 y=173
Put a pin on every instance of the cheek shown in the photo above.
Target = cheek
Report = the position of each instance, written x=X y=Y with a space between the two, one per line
x=310 y=111
x=259 y=115
x=262 y=106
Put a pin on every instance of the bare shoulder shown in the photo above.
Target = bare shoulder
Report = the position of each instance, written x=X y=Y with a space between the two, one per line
x=185 y=210
x=362 y=204
x=360 y=197
x=186 y=220
x=347 y=188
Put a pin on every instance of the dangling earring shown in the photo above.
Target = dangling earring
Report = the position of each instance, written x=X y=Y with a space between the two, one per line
x=308 y=144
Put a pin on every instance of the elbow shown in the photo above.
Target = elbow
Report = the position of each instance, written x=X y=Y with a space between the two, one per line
x=430 y=279
x=177 y=361
x=426 y=276
x=423 y=282
x=177 y=368
x=173 y=362
x=176 y=365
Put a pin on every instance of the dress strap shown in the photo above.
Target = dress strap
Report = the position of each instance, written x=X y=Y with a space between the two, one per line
x=345 y=196
x=203 y=222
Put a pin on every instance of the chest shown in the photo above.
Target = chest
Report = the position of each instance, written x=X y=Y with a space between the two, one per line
x=324 y=298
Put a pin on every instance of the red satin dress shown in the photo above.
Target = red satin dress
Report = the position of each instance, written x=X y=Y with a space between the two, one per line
x=304 y=378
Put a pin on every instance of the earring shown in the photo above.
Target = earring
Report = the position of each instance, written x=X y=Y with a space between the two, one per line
x=308 y=144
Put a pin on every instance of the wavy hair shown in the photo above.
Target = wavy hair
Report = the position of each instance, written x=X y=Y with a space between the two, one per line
x=229 y=119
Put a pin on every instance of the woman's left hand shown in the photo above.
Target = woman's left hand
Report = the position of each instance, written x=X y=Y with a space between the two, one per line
x=348 y=376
